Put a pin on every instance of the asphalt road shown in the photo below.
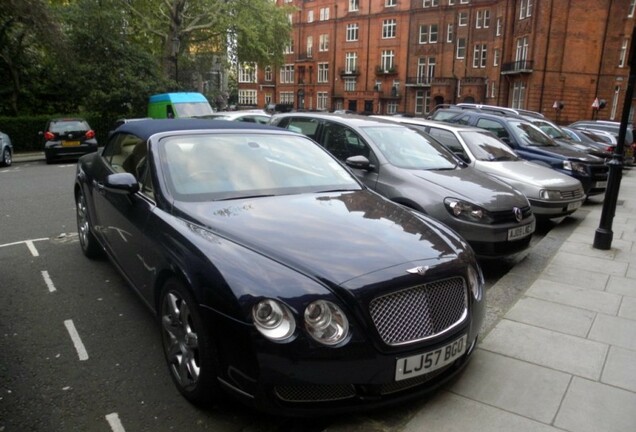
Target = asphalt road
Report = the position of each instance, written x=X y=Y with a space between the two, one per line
x=79 y=351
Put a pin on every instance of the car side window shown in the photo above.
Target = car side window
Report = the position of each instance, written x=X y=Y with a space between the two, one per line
x=495 y=127
x=343 y=142
x=450 y=141
x=118 y=153
x=463 y=120
x=305 y=126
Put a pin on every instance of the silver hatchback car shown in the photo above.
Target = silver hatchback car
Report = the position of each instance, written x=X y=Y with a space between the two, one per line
x=551 y=193
x=412 y=169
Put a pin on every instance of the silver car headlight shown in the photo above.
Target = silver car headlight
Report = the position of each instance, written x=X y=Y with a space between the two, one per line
x=273 y=320
x=475 y=282
x=465 y=210
x=550 y=194
x=575 y=166
x=326 y=322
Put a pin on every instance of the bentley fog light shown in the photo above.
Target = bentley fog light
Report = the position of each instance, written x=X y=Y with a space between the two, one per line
x=273 y=320
x=475 y=282
x=326 y=322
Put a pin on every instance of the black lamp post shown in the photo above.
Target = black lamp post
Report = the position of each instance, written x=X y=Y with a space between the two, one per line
x=603 y=236
x=175 y=55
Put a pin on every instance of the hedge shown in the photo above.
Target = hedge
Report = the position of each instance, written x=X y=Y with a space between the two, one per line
x=24 y=130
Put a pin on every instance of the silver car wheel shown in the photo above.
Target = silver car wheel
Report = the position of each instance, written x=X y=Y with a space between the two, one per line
x=82 y=220
x=180 y=339
x=6 y=157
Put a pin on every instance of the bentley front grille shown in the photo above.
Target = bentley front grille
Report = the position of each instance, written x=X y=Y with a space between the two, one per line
x=315 y=393
x=420 y=312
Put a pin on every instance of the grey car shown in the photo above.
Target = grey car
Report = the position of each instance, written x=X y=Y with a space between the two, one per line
x=6 y=150
x=412 y=169
x=551 y=194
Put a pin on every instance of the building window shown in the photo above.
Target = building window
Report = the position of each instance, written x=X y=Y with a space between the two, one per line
x=351 y=62
x=323 y=72
x=492 y=87
x=287 y=74
x=419 y=102
x=286 y=98
x=482 y=19
x=464 y=1
x=269 y=76
x=352 y=32
x=289 y=48
x=324 y=14
x=462 y=19
x=324 y=43
x=425 y=70
x=632 y=6
x=247 y=73
x=449 y=33
x=452 y=2
x=354 y=5
x=428 y=34
x=518 y=94
x=522 y=49
x=461 y=48
x=390 y=3
x=310 y=46
x=247 y=97
x=495 y=57
x=500 y=26
x=479 y=56
x=389 y=27
x=623 y=55
x=525 y=10
x=430 y=3
x=387 y=60
x=310 y=16
x=391 y=107
x=321 y=101
x=350 y=84
x=268 y=98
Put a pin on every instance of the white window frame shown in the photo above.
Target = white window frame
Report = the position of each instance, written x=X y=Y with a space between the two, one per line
x=430 y=3
x=269 y=76
x=247 y=97
x=632 y=8
x=518 y=94
x=525 y=9
x=354 y=5
x=322 y=98
x=323 y=73
x=310 y=46
x=286 y=97
x=521 y=53
x=460 y=51
x=387 y=60
x=427 y=35
x=495 y=57
x=498 y=32
x=450 y=31
x=389 y=28
x=352 y=33
x=323 y=43
x=390 y=3
x=248 y=72
x=480 y=52
x=349 y=84
x=351 y=62
x=462 y=19
x=287 y=74
x=310 y=16
x=622 y=58
x=324 y=14
x=482 y=18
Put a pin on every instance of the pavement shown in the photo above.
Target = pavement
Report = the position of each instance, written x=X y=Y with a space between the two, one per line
x=559 y=345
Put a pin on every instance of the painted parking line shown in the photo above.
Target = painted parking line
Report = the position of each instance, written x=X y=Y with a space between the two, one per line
x=48 y=281
x=29 y=244
x=79 y=346
x=115 y=423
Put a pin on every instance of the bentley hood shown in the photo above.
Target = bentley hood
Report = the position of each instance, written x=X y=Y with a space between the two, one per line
x=334 y=236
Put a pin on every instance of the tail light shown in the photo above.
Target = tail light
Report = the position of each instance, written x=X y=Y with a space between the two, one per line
x=49 y=136
x=610 y=149
x=90 y=134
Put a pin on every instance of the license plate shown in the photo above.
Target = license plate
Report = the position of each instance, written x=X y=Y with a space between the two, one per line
x=574 y=205
x=600 y=184
x=521 y=231
x=70 y=143
x=420 y=364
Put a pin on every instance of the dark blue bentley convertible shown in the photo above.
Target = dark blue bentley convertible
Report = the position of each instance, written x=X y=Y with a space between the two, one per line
x=275 y=275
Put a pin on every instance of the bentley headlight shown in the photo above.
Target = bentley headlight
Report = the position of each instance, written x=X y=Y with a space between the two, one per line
x=465 y=210
x=274 y=320
x=326 y=322
x=475 y=282
x=550 y=194
x=575 y=166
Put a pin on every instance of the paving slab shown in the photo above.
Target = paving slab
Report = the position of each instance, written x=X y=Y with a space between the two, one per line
x=594 y=407
x=622 y=286
x=592 y=264
x=513 y=385
x=628 y=308
x=454 y=413
x=620 y=370
x=614 y=331
x=552 y=316
x=547 y=348
x=575 y=276
x=580 y=297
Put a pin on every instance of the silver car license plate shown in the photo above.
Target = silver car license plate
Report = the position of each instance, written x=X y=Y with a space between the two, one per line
x=521 y=231
x=420 y=364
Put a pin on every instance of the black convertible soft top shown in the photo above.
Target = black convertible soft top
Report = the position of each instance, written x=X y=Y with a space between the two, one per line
x=146 y=128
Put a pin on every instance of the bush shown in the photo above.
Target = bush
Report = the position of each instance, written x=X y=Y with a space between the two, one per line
x=24 y=130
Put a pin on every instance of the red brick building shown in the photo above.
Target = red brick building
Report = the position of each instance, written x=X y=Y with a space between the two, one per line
x=388 y=56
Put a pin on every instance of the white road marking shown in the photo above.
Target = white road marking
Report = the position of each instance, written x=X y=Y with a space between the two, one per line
x=115 y=423
x=32 y=248
x=48 y=281
x=24 y=242
x=79 y=346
